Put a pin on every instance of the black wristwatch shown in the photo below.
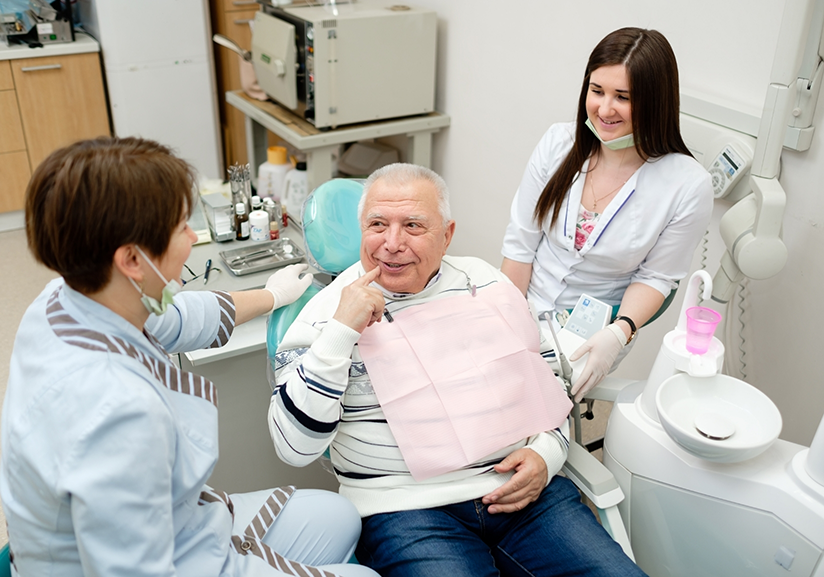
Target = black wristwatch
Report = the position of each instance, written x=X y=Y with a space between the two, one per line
x=632 y=328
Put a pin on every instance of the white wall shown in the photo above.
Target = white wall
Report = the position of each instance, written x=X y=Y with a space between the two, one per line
x=507 y=70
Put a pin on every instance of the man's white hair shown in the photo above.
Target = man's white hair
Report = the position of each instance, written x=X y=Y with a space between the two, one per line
x=401 y=174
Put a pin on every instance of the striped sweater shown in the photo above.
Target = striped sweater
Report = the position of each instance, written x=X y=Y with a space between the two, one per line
x=323 y=399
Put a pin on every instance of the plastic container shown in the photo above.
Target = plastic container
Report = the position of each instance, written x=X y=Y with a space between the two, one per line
x=272 y=173
x=296 y=190
x=259 y=225
x=701 y=323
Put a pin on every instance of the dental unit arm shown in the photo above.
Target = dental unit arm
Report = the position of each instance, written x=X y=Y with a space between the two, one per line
x=752 y=228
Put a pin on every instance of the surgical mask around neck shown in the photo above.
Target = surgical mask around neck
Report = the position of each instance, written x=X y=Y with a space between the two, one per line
x=167 y=295
x=619 y=143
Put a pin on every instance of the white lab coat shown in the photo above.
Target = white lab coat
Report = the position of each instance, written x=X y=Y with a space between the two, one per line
x=106 y=447
x=647 y=234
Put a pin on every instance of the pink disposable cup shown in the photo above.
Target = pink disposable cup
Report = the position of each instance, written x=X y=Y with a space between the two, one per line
x=701 y=323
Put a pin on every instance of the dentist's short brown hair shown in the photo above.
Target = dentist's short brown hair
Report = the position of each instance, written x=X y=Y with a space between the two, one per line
x=90 y=198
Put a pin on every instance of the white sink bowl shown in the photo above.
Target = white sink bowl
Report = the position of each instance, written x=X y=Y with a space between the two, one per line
x=738 y=421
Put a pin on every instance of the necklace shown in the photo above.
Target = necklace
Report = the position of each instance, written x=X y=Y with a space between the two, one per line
x=595 y=199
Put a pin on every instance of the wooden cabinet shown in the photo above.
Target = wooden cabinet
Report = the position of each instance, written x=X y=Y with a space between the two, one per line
x=231 y=18
x=14 y=160
x=61 y=100
x=11 y=135
x=45 y=103
x=14 y=176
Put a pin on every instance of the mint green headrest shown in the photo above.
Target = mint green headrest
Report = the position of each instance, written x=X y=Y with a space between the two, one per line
x=281 y=319
x=331 y=229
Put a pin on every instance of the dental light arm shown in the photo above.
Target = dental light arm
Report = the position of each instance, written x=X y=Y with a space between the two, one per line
x=808 y=84
x=751 y=229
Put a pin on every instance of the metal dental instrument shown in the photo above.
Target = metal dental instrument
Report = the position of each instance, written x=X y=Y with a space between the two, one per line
x=253 y=255
x=263 y=253
x=566 y=369
x=208 y=270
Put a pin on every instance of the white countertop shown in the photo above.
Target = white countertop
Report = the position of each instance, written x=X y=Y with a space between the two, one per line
x=82 y=44
x=247 y=338
x=250 y=336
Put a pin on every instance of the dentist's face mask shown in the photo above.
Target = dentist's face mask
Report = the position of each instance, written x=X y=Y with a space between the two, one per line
x=616 y=144
x=169 y=291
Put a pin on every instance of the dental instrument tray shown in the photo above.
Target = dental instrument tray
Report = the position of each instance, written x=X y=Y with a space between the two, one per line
x=261 y=256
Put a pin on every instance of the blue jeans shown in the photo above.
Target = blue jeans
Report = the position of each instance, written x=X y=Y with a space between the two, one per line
x=555 y=535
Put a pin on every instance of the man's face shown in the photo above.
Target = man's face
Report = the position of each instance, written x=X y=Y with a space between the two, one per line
x=403 y=234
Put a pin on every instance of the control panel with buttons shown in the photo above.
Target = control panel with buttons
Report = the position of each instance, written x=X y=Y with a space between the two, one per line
x=727 y=169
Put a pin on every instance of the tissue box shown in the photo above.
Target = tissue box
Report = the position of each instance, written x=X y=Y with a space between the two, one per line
x=220 y=215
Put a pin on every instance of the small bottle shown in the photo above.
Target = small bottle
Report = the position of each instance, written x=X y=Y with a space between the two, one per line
x=241 y=222
x=296 y=189
x=269 y=207
x=284 y=217
x=257 y=203
x=272 y=173
x=274 y=217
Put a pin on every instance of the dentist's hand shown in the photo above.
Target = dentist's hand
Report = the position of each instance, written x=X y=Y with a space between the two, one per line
x=603 y=348
x=523 y=488
x=287 y=286
x=360 y=304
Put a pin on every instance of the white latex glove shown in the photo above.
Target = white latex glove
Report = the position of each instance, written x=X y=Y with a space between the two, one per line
x=603 y=348
x=287 y=286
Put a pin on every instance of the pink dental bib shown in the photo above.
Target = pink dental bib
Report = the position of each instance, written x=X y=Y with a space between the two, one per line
x=462 y=377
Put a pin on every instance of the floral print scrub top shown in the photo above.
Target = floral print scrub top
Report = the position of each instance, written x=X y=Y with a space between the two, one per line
x=585 y=225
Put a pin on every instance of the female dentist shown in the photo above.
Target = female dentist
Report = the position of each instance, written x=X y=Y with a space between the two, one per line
x=106 y=444
x=613 y=204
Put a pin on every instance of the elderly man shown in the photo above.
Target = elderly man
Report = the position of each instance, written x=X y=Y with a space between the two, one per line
x=506 y=513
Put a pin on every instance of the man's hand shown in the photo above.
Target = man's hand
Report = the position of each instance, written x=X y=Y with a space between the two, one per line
x=360 y=305
x=524 y=487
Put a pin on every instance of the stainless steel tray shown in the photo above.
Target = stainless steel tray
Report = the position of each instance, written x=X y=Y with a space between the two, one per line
x=260 y=256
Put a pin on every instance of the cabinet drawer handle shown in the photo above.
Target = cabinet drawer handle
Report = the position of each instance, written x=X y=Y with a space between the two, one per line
x=44 y=67
x=244 y=21
x=244 y=2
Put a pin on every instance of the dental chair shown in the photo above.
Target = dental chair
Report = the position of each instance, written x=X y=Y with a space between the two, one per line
x=332 y=240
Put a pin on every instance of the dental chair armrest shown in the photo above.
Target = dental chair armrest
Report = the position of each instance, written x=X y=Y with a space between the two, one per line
x=608 y=389
x=592 y=477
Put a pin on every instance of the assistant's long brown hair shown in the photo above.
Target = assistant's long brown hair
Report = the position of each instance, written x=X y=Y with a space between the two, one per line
x=654 y=96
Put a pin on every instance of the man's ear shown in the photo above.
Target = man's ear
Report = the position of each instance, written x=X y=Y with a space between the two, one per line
x=448 y=234
x=126 y=263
